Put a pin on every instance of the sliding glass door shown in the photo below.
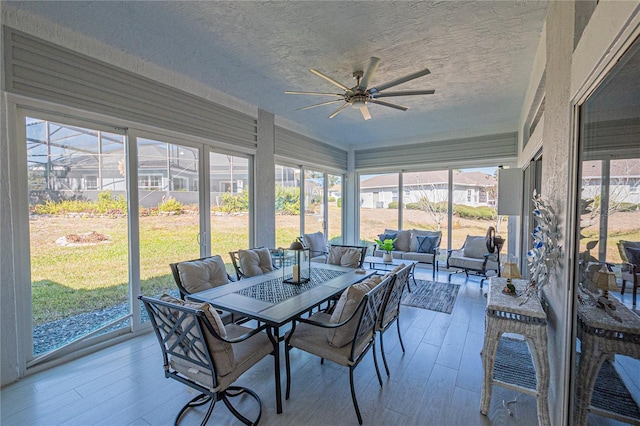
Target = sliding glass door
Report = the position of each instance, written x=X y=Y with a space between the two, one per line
x=169 y=213
x=78 y=232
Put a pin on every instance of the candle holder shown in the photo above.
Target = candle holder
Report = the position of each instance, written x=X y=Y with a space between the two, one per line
x=300 y=259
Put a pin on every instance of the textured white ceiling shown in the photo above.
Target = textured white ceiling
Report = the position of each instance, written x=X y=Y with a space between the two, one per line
x=480 y=55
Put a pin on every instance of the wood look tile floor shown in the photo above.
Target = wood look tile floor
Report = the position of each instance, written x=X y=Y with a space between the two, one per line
x=436 y=382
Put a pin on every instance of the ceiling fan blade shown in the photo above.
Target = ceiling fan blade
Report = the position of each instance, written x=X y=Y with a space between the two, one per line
x=400 y=107
x=293 y=92
x=400 y=80
x=365 y=112
x=371 y=69
x=339 y=110
x=320 y=104
x=330 y=80
x=403 y=93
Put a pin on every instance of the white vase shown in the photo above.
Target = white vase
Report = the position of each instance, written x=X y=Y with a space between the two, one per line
x=387 y=257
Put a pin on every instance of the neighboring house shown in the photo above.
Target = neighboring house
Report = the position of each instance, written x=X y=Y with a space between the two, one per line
x=70 y=162
x=470 y=188
x=623 y=181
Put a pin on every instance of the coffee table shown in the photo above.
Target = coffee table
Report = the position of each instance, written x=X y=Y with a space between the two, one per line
x=376 y=263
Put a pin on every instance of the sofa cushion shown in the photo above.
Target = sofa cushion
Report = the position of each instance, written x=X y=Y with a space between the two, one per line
x=255 y=261
x=345 y=307
x=396 y=254
x=415 y=233
x=403 y=241
x=200 y=275
x=419 y=257
x=475 y=247
x=427 y=243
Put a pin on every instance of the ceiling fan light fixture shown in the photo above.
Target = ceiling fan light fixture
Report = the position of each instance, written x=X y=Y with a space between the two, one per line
x=361 y=95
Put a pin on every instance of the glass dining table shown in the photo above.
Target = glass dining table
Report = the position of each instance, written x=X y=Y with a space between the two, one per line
x=266 y=298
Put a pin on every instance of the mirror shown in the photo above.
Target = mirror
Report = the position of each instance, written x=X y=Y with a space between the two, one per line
x=607 y=381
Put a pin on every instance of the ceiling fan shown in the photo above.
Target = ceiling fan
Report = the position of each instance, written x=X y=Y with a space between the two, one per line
x=360 y=95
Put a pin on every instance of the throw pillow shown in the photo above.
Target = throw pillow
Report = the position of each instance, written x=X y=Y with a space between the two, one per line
x=633 y=254
x=221 y=351
x=418 y=232
x=427 y=243
x=346 y=306
x=200 y=275
x=255 y=261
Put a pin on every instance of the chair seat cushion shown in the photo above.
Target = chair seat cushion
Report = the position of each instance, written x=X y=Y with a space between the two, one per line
x=221 y=351
x=255 y=261
x=345 y=307
x=247 y=354
x=313 y=339
x=203 y=274
x=464 y=262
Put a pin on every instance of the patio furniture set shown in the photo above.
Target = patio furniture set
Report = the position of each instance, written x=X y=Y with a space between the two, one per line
x=207 y=345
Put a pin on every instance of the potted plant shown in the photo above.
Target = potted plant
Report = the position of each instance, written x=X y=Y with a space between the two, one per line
x=388 y=246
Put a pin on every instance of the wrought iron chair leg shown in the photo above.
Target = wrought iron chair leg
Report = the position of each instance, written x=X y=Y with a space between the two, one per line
x=375 y=362
x=353 y=395
x=195 y=402
x=209 y=411
x=384 y=357
x=239 y=391
x=400 y=335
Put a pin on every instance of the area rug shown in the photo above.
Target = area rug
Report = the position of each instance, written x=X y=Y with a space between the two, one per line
x=514 y=365
x=431 y=295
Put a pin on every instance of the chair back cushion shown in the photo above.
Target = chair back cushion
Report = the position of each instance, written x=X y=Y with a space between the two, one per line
x=255 y=261
x=345 y=307
x=633 y=255
x=475 y=247
x=315 y=242
x=624 y=245
x=403 y=239
x=203 y=274
x=344 y=256
x=415 y=233
x=221 y=352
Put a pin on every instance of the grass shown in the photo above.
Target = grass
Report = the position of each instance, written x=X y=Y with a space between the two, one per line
x=75 y=279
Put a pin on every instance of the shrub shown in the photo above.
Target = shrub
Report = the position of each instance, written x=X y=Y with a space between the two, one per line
x=106 y=203
x=412 y=206
x=287 y=200
x=331 y=199
x=171 y=206
x=235 y=203
x=339 y=202
x=468 y=212
x=393 y=205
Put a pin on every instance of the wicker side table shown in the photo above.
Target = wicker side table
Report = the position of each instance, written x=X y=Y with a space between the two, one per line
x=504 y=314
x=601 y=336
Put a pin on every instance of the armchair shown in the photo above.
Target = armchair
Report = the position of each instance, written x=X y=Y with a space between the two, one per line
x=474 y=256
x=343 y=337
x=317 y=245
x=200 y=352
x=630 y=255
